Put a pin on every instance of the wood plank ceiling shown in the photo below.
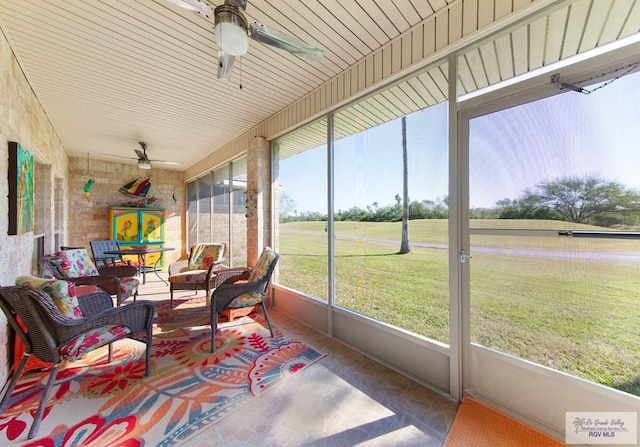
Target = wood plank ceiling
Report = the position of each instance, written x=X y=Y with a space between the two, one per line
x=574 y=28
x=110 y=73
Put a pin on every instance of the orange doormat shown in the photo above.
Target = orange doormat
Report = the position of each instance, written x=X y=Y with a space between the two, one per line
x=477 y=425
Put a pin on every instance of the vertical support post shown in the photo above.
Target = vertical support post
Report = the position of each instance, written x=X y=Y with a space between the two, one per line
x=455 y=268
x=331 y=284
x=259 y=181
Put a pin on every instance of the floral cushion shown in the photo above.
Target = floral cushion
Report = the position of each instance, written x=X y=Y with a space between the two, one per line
x=247 y=299
x=63 y=293
x=92 y=339
x=267 y=258
x=203 y=255
x=189 y=276
x=76 y=263
x=128 y=286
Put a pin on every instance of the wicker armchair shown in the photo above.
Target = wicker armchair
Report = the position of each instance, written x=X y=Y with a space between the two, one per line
x=242 y=287
x=76 y=266
x=54 y=337
x=197 y=272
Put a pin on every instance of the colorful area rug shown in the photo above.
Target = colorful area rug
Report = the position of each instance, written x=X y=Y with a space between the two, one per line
x=477 y=425
x=99 y=404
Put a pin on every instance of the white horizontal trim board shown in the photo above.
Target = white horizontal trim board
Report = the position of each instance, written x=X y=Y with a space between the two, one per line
x=537 y=394
x=425 y=361
x=296 y=303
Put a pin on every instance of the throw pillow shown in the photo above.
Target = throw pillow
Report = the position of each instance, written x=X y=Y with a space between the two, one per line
x=267 y=257
x=76 y=263
x=203 y=255
x=61 y=292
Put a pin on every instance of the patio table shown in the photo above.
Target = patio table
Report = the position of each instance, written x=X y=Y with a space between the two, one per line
x=142 y=251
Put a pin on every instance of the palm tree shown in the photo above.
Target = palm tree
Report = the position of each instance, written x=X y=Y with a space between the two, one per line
x=579 y=423
x=404 y=246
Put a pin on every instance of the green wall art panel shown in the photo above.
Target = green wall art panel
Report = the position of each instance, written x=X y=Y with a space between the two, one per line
x=20 y=189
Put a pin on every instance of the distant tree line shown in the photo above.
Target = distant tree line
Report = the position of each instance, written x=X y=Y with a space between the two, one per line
x=424 y=209
x=588 y=200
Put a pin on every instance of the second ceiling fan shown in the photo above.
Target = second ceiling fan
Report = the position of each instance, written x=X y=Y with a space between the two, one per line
x=144 y=162
x=232 y=32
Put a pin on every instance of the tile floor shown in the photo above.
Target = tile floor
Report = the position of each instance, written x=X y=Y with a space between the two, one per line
x=344 y=399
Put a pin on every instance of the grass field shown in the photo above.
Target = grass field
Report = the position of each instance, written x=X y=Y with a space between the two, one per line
x=575 y=315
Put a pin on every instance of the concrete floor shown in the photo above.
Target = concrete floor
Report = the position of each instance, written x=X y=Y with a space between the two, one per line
x=344 y=399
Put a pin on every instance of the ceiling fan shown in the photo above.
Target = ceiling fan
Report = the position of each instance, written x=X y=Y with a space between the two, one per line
x=144 y=162
x=232 y=32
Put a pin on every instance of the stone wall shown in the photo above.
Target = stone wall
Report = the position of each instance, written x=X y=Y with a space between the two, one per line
x=89 y=219
x=23 y=120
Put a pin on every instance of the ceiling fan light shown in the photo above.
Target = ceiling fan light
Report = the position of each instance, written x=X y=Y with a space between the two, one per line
x=144 y=164
x=231 y=30
x=225 y=64
x=232 y=39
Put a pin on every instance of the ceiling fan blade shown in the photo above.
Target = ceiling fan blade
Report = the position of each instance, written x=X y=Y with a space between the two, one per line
x=141 y=155
x=166 y=162
x=278 y=39
x=225 y=65
x=119 y=156
x=198 y=6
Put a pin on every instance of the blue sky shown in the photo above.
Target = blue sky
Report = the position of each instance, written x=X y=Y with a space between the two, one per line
x=566 y=135
x=571 y=134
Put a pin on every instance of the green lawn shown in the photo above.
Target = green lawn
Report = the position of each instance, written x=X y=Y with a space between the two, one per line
x=572 y=315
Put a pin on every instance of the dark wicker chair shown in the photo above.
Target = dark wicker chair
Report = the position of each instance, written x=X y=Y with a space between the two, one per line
x=197 y=272
x=242 y=287
x=48 y=332
x=117 y=281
